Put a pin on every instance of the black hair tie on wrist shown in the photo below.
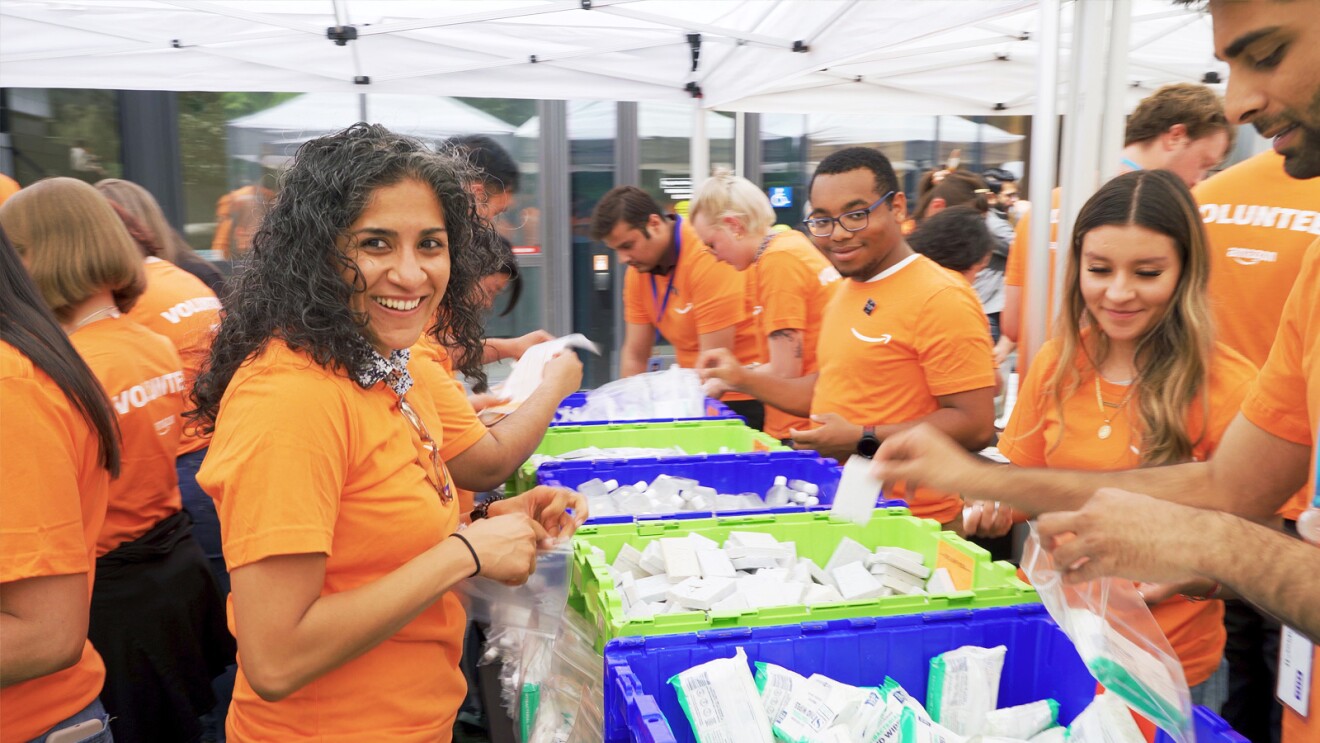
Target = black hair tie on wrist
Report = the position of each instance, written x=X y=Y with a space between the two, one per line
x=475 y=559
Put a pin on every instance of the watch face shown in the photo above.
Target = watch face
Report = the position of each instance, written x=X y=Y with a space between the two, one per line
x=868 y=446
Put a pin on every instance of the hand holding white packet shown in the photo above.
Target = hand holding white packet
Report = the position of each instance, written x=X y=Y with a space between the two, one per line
x=720 y=700
x=857 y=493
x=529 y=371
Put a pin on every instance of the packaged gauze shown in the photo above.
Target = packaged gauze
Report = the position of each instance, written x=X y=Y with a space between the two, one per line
x=721 y=703
x=964 y=687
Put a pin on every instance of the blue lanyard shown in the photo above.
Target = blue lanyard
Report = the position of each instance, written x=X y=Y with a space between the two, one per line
x=1128 y=162
x=673 y=275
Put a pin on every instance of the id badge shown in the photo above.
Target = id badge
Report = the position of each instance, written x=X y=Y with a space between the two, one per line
x=1296 y=654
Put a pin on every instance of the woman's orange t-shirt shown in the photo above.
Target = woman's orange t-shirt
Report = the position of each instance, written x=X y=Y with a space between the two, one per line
x=789 y=287
x=1037 y=436
x=143 y=376
x=305 y=461
x=52 y=505
x=180 y=307
x=432 y=368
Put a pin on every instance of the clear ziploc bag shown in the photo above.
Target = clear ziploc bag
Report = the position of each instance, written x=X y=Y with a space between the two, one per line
x=672 y=393
x=1118 y=639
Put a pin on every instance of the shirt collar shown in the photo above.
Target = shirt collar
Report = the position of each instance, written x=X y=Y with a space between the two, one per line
x=393 y=371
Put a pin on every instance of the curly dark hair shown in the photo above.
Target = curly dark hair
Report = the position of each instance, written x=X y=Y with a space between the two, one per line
x=291 y=285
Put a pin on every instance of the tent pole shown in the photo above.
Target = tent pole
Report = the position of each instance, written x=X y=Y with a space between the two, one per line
x=1082 y=171
x=1044 y=155
x=1115 y=109
x=699 y=154
x=739 y=144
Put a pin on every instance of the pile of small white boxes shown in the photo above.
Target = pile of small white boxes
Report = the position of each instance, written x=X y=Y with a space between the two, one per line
x=754 y=570
x=668 y=494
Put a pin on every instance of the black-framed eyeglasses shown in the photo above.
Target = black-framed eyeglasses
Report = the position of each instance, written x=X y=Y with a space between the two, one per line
x=434 y=474
x=854 y=221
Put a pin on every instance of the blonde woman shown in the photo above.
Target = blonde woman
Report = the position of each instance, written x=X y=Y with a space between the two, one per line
x=173 y=248
x=789 y=283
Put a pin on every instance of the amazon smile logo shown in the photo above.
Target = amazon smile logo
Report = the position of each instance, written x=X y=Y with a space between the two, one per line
x=685 y=309
x=886 y=338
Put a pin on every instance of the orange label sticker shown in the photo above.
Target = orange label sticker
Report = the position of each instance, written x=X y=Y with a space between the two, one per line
x=759 y=446
x=961 y=566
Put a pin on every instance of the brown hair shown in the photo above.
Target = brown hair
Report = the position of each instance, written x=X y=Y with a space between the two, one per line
x=1173 y=358
x=957 y=188
x=73 y=244
x=136 y=230
x=1194 y=106
x=628 y=204
x=141 y=204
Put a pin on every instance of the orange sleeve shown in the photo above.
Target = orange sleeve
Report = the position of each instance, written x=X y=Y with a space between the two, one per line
x=462 y=428
x=1232 y=377
x=719 y=292
x=284 y=450
x=635 y=309
x=1015 y=272
x=1274 y=402
x=953 y=343
x=41 y=533
x=783 y=296
x=1023 y=439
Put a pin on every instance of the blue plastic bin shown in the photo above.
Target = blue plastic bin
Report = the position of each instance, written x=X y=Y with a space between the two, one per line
x=1210 y=728
x=714 y=409
x=750 y=472
x=640 y=705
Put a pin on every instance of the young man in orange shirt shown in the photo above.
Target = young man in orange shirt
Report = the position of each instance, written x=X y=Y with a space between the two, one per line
x=1179 y=128
x=1198 y=524
x=1259 y=222
x=789 y=282
x=903 y=341
x=674 y=287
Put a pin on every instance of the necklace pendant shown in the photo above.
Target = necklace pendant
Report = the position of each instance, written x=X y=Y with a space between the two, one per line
x=1105 y=431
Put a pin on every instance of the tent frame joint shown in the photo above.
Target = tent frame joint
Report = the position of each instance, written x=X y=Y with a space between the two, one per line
x=341 y=35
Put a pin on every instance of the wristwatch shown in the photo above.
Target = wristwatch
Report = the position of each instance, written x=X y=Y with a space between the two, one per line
x=868 y=445
x=480 y=511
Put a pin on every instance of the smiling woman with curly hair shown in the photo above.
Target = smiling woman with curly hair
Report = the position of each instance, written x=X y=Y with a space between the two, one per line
x=338 y=517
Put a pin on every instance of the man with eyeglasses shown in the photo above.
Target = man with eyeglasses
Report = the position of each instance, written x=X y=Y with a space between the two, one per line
x=902 y=342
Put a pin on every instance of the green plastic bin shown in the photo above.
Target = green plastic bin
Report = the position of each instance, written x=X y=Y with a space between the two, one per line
x=696 y=437
x=816 y=534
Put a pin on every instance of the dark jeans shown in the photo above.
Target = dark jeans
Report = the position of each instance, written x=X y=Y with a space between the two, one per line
x=753 y=411
x=994 y=326
x=206 y=530
x=93 y=711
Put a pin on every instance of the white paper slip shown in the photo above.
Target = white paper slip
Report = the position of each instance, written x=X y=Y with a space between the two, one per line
x=1296 y=655
x=858 y=491
x=529 y=370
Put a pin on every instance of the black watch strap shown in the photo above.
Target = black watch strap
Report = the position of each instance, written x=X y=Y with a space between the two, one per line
x=868 y=445
x=480 y=511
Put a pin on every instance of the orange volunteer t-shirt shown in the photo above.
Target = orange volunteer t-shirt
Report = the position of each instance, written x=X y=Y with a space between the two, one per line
x=305 y=461
x=706 y=296
x=1015 y=269
x=1290 y=376
x=432 y=368
x=52 y=505
x=8 y=187
x=180 y=307
x=143 y=377
x=892 y=345
x=1037 y=436
x=1259 y=221
x=790 y=286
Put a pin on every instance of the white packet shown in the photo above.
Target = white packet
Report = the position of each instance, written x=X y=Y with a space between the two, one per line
x=815 y=707
x=1105 y=720
x=1023 y=721
x=721 y=703
x=964 y=687
x=529 y=371
x=776 y=685
x=1053 y=735
x=857 y=493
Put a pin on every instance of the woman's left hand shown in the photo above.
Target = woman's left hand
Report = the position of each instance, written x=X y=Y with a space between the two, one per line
x=559 y=511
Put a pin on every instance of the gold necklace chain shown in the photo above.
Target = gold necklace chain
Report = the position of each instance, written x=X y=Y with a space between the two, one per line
x=1106 y=429
x=107 y=311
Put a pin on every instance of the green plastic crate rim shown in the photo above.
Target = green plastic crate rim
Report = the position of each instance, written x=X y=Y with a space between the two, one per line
x=696 y=437
x=593 y=593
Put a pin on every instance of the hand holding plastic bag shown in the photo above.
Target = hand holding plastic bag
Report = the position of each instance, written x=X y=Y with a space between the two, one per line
x=1118 y=639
